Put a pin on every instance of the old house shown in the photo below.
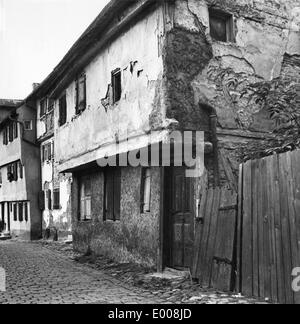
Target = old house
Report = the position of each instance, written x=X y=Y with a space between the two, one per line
x=19 y=173
x=157 y=66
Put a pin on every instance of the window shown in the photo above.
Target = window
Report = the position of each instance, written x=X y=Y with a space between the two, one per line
x=56 y=199
x=146 y=191
x=117 y=85
x=47 y=152
x=12 y=172
x=112 y=199
x=28 y=125
x=51 y=103
x=221 y=25
x=85 y=198
x=62 y=110
x=15 y=130
x=5 y=136
x=43 y=107
x=80 y=94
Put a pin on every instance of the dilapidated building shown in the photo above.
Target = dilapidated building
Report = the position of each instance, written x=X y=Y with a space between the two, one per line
x=158 y=66
x=19 y=173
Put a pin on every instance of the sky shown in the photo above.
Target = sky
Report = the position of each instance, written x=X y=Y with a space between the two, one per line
x=35 y=35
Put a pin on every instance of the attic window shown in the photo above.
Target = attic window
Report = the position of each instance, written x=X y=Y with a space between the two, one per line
x=117 y=85
x=221 y=25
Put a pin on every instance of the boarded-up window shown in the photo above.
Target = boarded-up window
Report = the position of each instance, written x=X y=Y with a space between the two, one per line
x=221 y=26
x=112 y=194
x=117 y=85
x=146 y=191
x=85 y=198
x=80 y=94
x=62 y=110
x=56 y=199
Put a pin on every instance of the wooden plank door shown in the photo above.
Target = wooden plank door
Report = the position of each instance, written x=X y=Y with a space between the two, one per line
x=181 y=218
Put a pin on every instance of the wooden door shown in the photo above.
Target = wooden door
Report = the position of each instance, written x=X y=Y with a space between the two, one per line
x=180 y=210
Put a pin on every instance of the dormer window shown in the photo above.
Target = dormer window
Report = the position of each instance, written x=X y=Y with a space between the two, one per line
x=221 y=25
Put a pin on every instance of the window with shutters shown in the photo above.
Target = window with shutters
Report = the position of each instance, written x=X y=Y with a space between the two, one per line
x=85 y=198
x=112 y=199
x=146 y=191
x=56 y=199
x=117 y=85
x=221 y=25
x=80 y=94
x=12 y=172
x=62 y=110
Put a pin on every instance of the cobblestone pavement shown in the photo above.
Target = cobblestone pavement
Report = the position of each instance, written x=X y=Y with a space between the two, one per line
x=36 y=275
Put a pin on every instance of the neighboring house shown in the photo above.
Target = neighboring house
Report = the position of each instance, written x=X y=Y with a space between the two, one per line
x=6 y=106
x=20 y=173
x=55 y=191
x=145 y=66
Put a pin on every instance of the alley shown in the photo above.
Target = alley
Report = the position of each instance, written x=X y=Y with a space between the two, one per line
x=38 y=276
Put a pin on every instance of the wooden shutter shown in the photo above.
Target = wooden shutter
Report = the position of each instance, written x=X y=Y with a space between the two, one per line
x=109 y=195
x=15 y=171
x=15 y=212
x=26 y=212
x=11 y=132
x=56 y=199
x=42 y=200
x=62 y=110
x=21 y=212
x=5 y=139
x=21 y=170
x=117 y=194
x=15 y=130
x=49 y=196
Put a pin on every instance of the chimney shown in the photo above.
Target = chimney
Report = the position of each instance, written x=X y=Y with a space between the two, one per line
x=35 y=85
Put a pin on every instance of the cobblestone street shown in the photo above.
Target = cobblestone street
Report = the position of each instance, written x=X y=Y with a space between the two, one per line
x=38 y=276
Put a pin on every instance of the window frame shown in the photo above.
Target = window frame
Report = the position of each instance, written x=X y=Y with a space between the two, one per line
x=30 y=123
x=228 y=19
x=85 y=197
x=144 y=187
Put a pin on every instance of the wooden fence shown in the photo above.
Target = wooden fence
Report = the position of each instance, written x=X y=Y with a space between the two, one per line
x=268 y=242
x=215 y=240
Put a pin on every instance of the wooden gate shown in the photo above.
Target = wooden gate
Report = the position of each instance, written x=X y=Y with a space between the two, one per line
x=269 y=227
x=214 y=264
